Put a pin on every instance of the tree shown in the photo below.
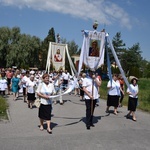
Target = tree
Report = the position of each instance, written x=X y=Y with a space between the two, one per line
x=18 y=49
x=4 y=44
x=118 y=45
x=131 y=60
x=45 y=45
x=145 y=69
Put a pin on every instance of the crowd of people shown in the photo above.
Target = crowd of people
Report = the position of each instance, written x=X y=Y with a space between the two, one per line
x=33 y=84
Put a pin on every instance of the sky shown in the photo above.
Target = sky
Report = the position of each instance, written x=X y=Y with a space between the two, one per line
x=69 y=17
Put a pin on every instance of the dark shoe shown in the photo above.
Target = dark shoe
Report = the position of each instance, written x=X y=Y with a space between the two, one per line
x=128 y=116
x=92 y=125
x=49 y=131
x=88 y=128
x=107 y=111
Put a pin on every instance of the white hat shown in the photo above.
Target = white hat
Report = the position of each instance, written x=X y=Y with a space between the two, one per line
x=133 y=77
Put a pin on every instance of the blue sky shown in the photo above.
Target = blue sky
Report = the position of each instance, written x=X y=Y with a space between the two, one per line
x=69 y=17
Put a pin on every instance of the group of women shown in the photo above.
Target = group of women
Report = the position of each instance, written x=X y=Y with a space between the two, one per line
x=114 y=93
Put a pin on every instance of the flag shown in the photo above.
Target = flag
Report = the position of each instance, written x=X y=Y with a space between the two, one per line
x=92 y=52
x=58 y=56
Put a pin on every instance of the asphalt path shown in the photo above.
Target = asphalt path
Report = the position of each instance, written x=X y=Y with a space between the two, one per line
x=111 y=132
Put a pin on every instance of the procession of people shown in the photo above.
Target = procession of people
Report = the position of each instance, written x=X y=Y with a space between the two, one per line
x=33 y=84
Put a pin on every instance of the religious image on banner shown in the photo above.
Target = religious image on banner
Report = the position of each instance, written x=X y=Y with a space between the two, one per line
x=92 y=51
x=94 y=48
x=58 y=57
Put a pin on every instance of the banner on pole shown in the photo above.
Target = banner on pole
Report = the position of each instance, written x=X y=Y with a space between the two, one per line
x=58 y=56
x=93 y=48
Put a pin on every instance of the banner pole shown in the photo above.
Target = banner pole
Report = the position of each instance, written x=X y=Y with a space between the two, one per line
x=92 y=96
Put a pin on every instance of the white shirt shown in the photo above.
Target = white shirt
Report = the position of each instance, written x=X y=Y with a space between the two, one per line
x=3 y=84
x=31 y=86
x=135 y=90
x=65 y=76
x=24 y=80
x=115 y=87
x=46 y=90
x=88 y=84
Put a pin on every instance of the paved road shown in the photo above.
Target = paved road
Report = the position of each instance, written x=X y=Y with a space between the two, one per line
x=111 y=132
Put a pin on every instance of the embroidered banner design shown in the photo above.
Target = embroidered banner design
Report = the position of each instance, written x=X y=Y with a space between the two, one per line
x=93 y=48
x=58 y=56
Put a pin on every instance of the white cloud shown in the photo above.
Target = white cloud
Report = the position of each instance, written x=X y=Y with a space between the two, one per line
x=105 y=12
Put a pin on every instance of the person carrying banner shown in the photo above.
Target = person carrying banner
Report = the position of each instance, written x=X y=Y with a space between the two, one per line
x=91 y=94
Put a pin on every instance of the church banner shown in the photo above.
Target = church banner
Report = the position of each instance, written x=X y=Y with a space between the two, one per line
x=92 y=52
x=58 y=56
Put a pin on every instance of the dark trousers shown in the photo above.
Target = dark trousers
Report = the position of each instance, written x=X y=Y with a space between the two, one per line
x=89 y=115
x=121 y=97
x=65 y=84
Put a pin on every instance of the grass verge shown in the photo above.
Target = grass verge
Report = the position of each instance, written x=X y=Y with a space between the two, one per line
x=3 y=108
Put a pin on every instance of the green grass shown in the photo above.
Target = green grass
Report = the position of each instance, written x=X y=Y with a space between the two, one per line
x=3 y=108
x=143 y=96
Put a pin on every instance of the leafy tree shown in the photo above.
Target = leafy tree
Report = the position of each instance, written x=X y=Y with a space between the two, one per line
x=18 y=49
x=118 y=45
x=145 y=69
x=13 y=47
x=45 y=45
x=131 y=59
x=4 y=44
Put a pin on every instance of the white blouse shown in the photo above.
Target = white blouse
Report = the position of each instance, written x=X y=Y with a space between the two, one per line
x=134 y=91
x=31 y=86
x=115 y=87
x=3 y=84
x=88 y=84
x=46 y=90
